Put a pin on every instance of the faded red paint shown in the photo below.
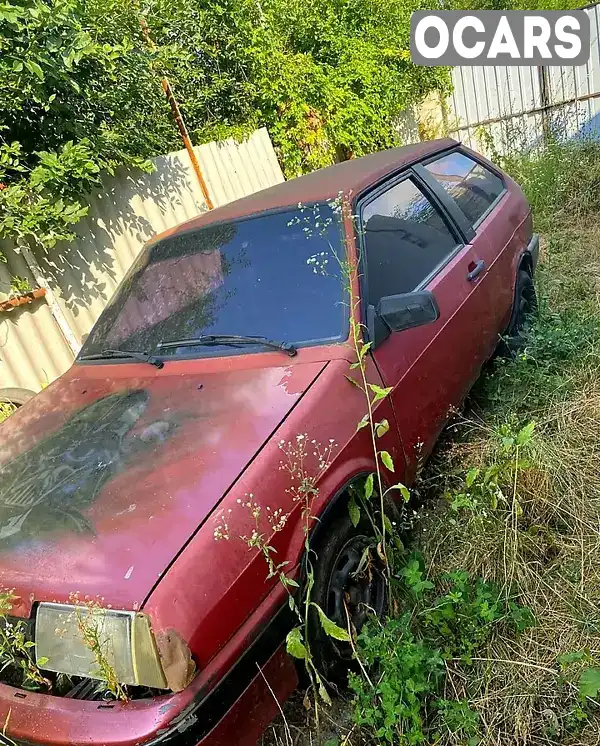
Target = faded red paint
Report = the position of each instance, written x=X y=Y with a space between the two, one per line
x=205 y=438
x=203 y=435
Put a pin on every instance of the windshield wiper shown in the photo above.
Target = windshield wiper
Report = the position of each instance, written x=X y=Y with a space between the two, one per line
x=145 y=357
x=228 y=339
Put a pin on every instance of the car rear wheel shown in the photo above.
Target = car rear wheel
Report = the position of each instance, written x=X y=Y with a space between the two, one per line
x=524 y=309
x=349 y=585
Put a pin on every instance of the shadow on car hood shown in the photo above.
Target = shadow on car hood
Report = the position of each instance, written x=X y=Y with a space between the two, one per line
x=104 y=477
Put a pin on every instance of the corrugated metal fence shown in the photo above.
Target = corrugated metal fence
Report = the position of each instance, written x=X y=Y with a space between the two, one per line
x=130 y=209
x=517 y=106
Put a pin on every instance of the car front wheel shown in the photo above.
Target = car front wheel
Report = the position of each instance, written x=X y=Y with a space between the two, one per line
x=349 y=585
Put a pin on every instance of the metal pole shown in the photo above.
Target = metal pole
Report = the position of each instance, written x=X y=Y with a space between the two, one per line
x=180 y=123
x=186 y=141
x=545 y=100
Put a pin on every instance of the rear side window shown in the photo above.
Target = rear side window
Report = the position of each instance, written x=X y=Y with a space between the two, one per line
x=405 y=237
x=472 y=186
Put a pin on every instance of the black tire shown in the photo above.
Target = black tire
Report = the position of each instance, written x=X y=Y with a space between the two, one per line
x=524 y=309
x=17 y=397
x=337 y=557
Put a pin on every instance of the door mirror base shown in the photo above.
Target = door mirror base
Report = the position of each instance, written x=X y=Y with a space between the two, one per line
x=400 y=312
x=377 y=329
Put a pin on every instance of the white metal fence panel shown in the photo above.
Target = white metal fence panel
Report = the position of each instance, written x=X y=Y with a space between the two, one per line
x=235 y=170
x=490 y=97
x=517 y=106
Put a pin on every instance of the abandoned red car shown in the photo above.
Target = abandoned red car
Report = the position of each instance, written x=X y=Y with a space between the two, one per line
x=227 y=340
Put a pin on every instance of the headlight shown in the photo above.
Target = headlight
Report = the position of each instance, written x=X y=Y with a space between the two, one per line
x=125 y=638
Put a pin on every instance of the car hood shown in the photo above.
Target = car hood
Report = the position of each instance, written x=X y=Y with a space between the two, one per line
x=105 y=475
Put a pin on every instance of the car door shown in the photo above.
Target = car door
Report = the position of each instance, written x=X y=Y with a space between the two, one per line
x=409 y=243
x=478 y=190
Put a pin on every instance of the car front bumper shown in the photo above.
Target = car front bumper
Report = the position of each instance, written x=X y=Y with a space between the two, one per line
x=236 y=710
x=53 y=721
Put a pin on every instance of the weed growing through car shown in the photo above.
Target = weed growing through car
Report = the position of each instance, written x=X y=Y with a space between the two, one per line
x=17 y=663
x=89 y=614
x=16 y=650
x=305 y=461
x=349 y=267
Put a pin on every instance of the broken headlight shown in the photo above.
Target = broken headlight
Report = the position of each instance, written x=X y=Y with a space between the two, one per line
x=81 y=640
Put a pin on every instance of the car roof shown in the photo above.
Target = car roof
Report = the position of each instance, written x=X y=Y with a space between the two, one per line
x=351 y=177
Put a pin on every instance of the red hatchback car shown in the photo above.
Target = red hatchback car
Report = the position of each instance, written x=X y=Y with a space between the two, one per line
x=228 y=338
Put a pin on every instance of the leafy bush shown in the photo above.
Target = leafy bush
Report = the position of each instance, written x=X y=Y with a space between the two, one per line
x=405 y=673
x=458 y=718
x=17 y=664
x=74 y=75
x=329 y=79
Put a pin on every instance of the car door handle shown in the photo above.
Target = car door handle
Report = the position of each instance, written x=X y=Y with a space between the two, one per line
x=476 y=271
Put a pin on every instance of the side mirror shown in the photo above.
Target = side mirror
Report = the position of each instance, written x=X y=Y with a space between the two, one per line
x=399 y=312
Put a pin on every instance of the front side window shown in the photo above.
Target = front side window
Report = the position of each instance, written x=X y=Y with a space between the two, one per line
x=473 y=187
x=264 y=276
x=405 y=239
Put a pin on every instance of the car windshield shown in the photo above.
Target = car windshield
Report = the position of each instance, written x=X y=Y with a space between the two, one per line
x=274 y=275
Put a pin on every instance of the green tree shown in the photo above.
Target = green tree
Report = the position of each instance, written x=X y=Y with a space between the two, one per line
x=517 y=4
x=329 y=78
x=81 y=92
x=78 y=97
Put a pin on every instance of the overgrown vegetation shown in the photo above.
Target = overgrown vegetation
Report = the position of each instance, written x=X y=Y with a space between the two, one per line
x=20 y=667
x=400 y=701
x=495 y=635
x=17 y=664
x=305 y=461
x=89 y=617
x=79 y=98
x=328 y=79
